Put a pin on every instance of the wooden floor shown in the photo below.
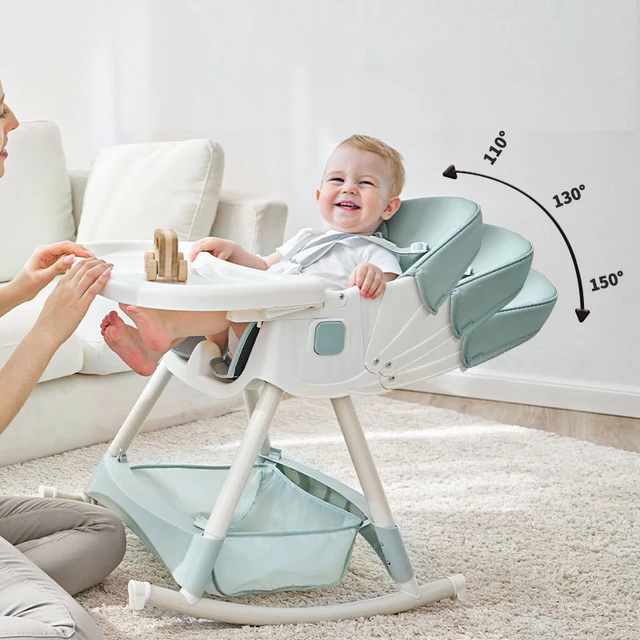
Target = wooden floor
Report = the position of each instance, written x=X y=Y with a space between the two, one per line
x=611 y=431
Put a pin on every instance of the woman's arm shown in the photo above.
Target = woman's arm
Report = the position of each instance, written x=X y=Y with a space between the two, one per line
x=22 y=372
x=65 y=307
x=10 y=297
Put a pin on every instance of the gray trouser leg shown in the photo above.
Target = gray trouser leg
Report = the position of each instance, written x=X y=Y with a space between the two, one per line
x=34 y=607
x=75 y=543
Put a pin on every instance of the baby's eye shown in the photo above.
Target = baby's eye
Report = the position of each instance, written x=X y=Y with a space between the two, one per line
x=366 y=182
x=335 y=180
x=5 y=112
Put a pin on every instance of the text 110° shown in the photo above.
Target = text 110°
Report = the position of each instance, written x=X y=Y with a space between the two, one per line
x=500 y=143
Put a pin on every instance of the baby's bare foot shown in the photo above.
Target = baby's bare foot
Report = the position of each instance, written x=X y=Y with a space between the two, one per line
x=127 y=343
x=153 y=330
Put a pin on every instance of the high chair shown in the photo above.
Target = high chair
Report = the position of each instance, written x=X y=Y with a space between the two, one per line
x=267 y=523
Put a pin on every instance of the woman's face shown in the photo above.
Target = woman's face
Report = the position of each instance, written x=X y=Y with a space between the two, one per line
x=8 y=122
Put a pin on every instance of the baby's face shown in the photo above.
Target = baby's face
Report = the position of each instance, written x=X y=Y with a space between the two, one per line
x=355 y=195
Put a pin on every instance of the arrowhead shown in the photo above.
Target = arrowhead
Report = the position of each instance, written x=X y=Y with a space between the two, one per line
x=450 y=172
x=582 y=314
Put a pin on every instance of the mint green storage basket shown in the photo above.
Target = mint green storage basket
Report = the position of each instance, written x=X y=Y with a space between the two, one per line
x=281 y=537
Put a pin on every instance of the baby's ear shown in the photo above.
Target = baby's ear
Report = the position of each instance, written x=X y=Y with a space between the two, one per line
x=391 y=208
x=317 y=194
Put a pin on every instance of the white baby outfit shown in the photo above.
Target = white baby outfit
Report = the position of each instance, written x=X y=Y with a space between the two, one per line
x=333 y=267
x=336 y=265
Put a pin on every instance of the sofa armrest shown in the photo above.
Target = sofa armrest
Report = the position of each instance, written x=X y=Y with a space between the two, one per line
x=78 y=180
x=254 y=222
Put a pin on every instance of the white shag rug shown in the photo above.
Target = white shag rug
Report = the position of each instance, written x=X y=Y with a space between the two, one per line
x=544 y=528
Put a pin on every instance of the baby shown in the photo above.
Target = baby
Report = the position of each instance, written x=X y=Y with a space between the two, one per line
x=360 y=188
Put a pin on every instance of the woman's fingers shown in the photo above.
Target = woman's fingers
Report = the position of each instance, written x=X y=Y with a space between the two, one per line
x=61 y=265
x=61 y=248
x=88 y=274
x=49 y=253
x=77 y=266
x=84 y=273
x=96 y=286
x=68 y=303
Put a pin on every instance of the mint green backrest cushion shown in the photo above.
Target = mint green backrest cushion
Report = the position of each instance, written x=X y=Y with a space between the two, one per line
x=451 y=227
x=499 y=270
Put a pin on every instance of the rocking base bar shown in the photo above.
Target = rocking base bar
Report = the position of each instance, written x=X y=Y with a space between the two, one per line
x=45 y=491
x=143 y=593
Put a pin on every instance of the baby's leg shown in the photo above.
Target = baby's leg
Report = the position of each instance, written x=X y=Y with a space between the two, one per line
x=220 y=339
x=161 y=329
x=239 y=328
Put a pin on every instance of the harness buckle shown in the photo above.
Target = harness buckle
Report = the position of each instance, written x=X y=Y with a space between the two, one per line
x=419 y=247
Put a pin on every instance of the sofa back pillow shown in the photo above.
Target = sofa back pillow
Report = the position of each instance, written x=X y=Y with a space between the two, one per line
x=35 y=195
x=134 y=189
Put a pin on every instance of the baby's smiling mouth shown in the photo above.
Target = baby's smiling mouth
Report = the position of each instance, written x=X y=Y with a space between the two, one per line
x=347 y=205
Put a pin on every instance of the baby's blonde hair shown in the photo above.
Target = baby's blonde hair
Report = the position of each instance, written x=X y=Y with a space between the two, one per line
x=393 y=158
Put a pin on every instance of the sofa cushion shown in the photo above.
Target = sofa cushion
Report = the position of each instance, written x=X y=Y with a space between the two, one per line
x=35 y=195
x=136 y=188
x=19 y=321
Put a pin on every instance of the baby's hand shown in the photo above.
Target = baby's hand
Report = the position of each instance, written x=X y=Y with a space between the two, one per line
x=369 y=279
x=217 y=247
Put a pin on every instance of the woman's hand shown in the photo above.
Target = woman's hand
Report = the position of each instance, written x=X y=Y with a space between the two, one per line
x=69 y=301
x=217 y=247
x=45 y=263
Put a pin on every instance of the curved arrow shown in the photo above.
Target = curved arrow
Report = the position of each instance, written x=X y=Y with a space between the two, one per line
x=582 y=313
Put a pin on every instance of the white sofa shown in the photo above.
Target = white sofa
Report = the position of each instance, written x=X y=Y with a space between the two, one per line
x=86 y=391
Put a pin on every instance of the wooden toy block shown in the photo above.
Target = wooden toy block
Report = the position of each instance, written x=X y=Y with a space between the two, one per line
x=165 y=261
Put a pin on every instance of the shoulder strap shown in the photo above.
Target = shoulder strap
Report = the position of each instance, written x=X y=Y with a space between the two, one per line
x=320 y=246
x=323 y=244
x=297 y=247
x=416 y=247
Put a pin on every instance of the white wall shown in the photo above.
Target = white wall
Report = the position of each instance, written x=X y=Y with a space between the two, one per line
x=280 y=82
x=52 y=66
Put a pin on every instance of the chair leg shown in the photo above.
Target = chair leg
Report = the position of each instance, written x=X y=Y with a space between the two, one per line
x=243 y=462
x=194 y=571
x=381 y=515
x=250 y=397
x=141 y=409
x=197 y=563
